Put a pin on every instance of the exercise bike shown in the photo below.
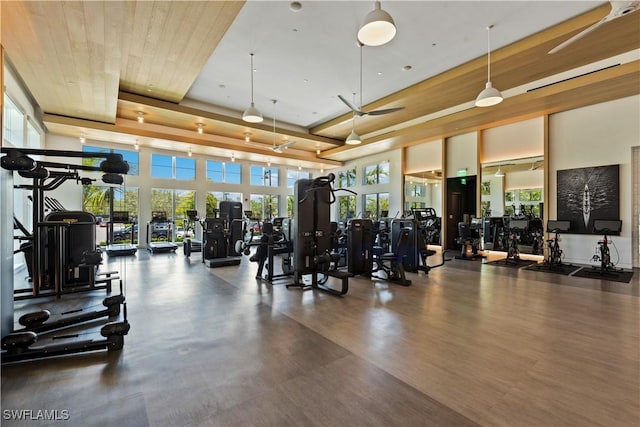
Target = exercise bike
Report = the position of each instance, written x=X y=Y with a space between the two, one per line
x=515 y=228
x=555 y=254
x=603 y=254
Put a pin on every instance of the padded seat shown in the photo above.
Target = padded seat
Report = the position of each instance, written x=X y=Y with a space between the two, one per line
x=395 y=268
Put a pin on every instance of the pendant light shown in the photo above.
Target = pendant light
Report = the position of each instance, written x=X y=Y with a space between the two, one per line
x=378 y=27
x=489 y=96
x=499 y=172
x=353 y=138
x=251 y=114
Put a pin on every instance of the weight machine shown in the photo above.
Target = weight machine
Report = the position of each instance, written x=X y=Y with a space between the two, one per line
x=58 y=256
x=62 y=254
x=313 y=261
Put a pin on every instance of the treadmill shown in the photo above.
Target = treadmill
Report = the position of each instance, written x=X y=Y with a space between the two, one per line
x=119 y=246
x=160 y=233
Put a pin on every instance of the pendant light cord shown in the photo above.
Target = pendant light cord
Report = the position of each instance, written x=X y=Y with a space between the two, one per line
x=251 y=78
x=489 y=52
x=360 y=106
x=274 y=121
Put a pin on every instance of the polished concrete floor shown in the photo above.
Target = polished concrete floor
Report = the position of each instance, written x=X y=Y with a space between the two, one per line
x=469 y=344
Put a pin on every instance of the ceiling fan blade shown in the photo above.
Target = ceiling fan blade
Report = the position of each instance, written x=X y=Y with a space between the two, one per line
x=350 y=105
x=287 y=144
x=579 y=35
x=279 y=148
x=385 y=111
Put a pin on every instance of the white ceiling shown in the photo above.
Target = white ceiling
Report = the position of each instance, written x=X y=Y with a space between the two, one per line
x=304 y=59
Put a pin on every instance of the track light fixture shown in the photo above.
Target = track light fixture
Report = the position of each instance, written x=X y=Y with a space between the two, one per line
x=200 y=128
x=378 y=27
x=190 y=152
x=136 y=146
x=82 y=139
x=247 y=137
x=489 y=96
x=251 y=114
x=140 y=116
x=233 y=158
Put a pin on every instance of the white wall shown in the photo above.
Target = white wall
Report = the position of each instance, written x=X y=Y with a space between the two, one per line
x=423 y=157
x=597 y=135
x=461 y=154
x=524 y=180
x=514 y=141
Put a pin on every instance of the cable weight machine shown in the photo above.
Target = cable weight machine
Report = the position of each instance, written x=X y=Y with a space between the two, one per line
x=313 y=261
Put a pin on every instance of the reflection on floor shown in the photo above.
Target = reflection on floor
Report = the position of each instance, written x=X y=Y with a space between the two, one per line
x=468 y=343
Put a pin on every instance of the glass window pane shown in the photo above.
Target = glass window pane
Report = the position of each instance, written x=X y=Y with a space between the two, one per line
x=214 y=171
x=213 y=201
x=161 y=166
x=233 y=173
x=257 y=175
x=370 y=174
x=351 y=177
x=383 y=173
x=185 y=169
x=184 y=200
x=162 y=200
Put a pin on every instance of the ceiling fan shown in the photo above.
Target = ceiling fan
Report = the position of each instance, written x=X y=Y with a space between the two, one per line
x=358 y=111
x=618 y=9
x=285 y=145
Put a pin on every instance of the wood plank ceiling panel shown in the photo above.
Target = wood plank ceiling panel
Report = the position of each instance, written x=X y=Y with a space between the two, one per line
x=58 y=48
x=169 y=43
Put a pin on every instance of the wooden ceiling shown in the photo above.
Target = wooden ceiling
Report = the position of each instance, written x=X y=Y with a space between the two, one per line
x=85 y=84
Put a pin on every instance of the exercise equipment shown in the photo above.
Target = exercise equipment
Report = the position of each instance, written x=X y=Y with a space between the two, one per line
x=117 y=244
x=555 y=255
x=469 y=239
x=395 y=269
x=63 y=255
x=603 y=254
x=516 y=226
x=359 y=246
x=190 y=244
x=277 y=240
x=216 y=242
x=313 y=261
x=160 y=233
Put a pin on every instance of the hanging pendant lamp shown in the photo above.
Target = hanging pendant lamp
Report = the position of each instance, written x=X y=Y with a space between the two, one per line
x=489 y=96
x=378 y=27
x=251 y=114
x=353 y=138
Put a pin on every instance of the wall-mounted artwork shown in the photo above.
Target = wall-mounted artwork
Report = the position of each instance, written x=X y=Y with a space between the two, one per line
x=587 y=194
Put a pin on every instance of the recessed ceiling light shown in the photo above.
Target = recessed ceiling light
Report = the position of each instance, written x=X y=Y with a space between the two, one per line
x=295 y=6
x=306 y=80
x=407 y=67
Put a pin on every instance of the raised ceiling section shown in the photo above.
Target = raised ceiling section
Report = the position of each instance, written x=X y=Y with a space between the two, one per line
x=75 y=56
x=92 y=66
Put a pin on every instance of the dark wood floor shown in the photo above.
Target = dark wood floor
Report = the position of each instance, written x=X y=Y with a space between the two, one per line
x=468 y=344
